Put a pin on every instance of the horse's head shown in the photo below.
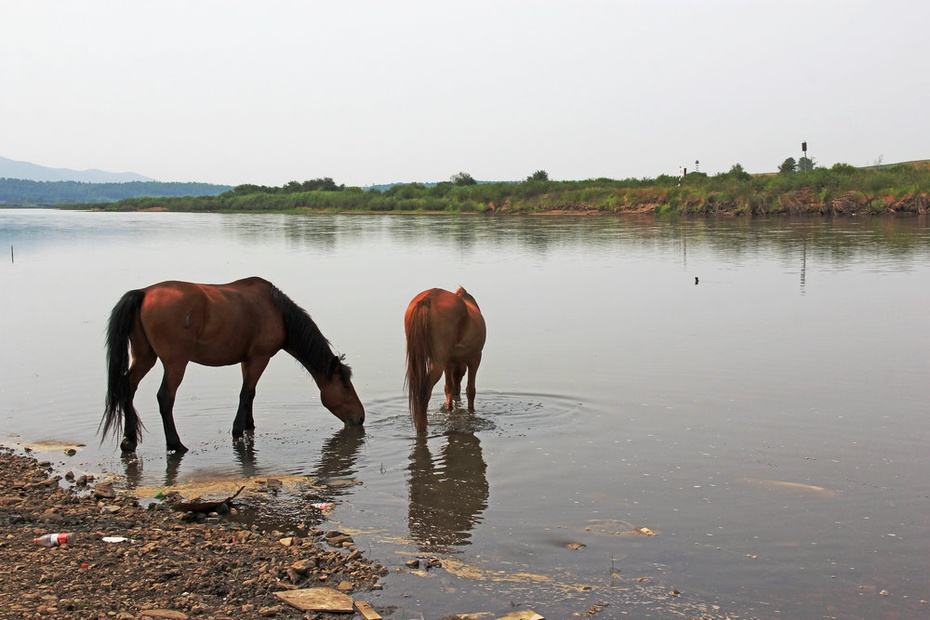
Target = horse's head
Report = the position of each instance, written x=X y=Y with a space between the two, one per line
x=338 y=394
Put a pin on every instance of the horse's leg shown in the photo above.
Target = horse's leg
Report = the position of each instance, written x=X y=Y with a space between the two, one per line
x=174 y=373
x=449 y=388
x=454 y=374
x=252 y=370
x=470 y=390
x=143 y=360
x=432 y=378
x=459 y=373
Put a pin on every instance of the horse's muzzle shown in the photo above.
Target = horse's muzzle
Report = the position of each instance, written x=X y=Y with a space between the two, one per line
x=355 y=419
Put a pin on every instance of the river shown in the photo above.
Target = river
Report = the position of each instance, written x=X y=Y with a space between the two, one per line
x=724 y=418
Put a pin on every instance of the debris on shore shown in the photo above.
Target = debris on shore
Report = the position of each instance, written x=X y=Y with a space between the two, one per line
x=164 y=565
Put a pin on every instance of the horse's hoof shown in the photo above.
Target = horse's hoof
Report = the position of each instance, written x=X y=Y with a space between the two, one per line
x=246 y=439
x=177 y=450
x=128 y=447
x=239 y=433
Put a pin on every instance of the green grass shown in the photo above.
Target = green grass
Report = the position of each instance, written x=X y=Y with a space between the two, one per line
x=842 y=189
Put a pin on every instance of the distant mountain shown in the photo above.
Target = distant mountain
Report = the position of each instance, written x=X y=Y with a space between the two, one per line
x=12 y=169
x=20 y=192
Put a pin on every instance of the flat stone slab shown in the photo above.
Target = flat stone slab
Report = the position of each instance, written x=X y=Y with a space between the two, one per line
x=162 y=614
x=527 y=614
x=318 y=599
x=367 y=611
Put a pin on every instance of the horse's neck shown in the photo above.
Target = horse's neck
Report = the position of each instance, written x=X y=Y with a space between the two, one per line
x=318 y=373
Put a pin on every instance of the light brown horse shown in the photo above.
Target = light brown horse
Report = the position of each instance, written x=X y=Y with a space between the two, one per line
x=445 y=334
x=244 y=322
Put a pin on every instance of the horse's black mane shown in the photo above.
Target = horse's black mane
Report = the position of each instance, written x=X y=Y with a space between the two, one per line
x=306 y=342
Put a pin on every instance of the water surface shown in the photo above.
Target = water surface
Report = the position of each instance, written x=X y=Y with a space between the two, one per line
x=751 y=392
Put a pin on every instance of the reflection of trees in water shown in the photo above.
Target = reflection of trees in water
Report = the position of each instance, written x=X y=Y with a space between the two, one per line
x=461 y=232
x=832 y=240
x=254 y=228
x=448 y=493
x=311 y=231
x=314 y=230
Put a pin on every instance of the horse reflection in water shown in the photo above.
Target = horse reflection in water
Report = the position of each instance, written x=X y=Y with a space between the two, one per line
x=333 y=477
x=336 y=465
x=448 y=494
x=337 y=456
x=133 y=469
x=334 y=471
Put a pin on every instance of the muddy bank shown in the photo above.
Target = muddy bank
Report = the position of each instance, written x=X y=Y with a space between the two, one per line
x=172 y=564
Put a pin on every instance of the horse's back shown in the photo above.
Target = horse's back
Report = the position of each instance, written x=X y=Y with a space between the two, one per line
x=456 y=323
x=461 y=292
x=442 y=305
x=211 y=324
x=475 y=330
x=476 y=319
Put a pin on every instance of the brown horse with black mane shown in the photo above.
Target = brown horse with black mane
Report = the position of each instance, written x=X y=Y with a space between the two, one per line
x=244 y=322
x=445 y=334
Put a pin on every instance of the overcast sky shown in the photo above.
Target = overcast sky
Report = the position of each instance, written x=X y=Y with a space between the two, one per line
x=375 y=91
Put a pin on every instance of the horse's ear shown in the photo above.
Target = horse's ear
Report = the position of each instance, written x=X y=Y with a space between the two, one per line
x=333 y=366
x=337 y=365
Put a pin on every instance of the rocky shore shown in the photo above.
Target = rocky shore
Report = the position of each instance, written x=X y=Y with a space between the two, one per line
x=157 y=561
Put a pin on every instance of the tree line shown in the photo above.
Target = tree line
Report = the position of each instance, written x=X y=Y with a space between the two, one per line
x=840 y=189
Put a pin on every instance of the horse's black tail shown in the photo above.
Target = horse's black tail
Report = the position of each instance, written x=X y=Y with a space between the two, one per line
x=119 y=392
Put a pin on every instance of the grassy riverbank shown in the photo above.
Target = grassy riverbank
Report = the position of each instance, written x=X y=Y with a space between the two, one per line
x=839 y=190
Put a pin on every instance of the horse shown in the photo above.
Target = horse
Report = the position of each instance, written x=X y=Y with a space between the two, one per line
x=244 y=322
x=445 y=334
